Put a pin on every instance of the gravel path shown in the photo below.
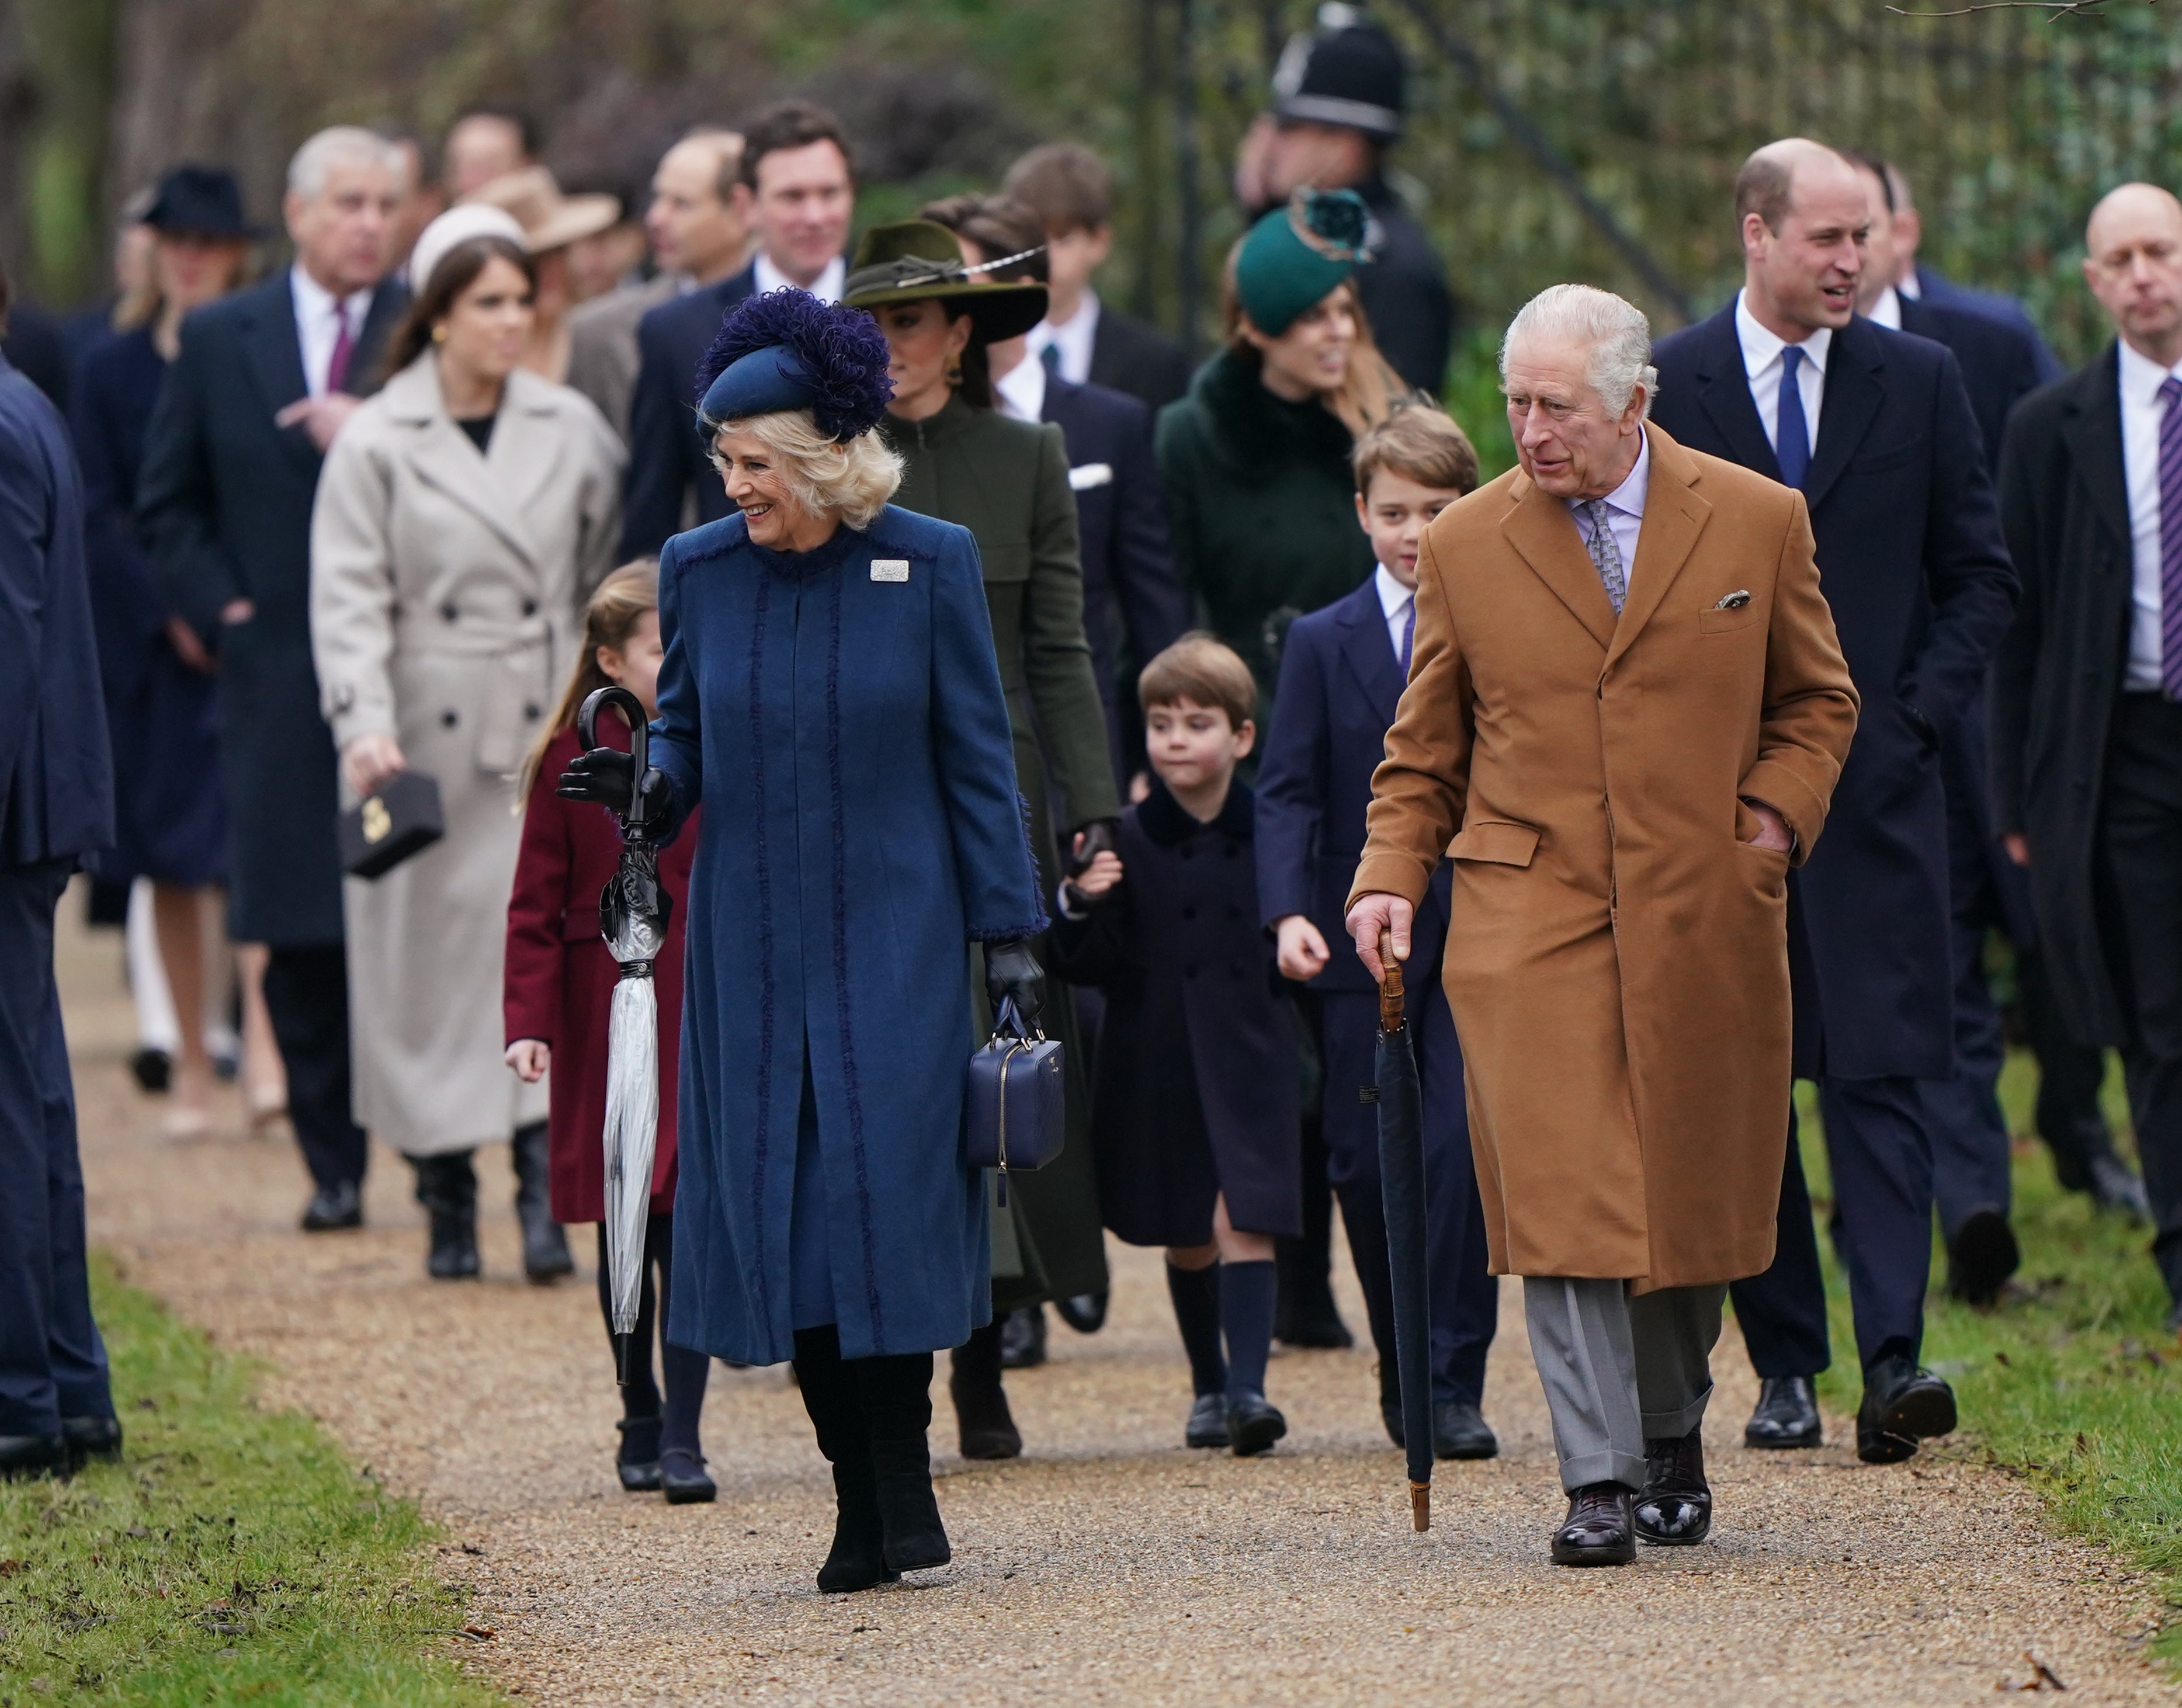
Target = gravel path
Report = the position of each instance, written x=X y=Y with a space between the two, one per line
x=1111 y=1565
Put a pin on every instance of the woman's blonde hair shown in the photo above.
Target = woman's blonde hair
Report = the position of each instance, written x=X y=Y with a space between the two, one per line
x=852 y=479
x=1369 y=391
x=623 y=600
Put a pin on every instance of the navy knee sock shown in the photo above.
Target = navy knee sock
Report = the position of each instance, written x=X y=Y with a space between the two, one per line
x=1196 y=1296
x=1246 y=1314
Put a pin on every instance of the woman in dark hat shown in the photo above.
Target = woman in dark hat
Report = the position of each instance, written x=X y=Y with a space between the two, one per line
x=170 y=815
x=830 y=675
x=1007 y=482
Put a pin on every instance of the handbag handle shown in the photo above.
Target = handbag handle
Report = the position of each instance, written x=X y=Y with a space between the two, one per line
x=1007 y=1022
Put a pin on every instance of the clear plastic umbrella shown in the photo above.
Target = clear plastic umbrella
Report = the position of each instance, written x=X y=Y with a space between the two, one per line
x=632 y=910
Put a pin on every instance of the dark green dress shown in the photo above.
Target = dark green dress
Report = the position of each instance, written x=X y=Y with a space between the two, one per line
x=1007 y=482
x=1262 y=507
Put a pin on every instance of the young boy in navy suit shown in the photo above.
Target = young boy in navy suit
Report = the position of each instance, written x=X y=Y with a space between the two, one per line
x=1196 y=1108
x=1342 y=670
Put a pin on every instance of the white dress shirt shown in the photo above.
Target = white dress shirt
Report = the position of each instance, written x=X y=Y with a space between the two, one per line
x=1074 y=338
x=2141 y=413
x=1625 y=509
x=1761 y=361
x=826 y=288
x=1394 y=603
x=1887 y=310
x=1020 y=391
x=318 y=325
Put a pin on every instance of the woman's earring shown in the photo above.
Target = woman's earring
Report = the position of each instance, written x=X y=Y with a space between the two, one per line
x=953 y=370
x=440 y=334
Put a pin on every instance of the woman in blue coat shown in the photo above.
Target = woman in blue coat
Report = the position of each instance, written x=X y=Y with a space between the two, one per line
x=830 y=673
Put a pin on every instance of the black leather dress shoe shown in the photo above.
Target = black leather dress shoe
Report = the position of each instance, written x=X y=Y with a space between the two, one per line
x=1254 y=1424
x=637 y=1463
x=86 y=1439
x=1023 y=1338
x=683 y=1480
x=1787 y=1415
x=1208 y=1422
x=986 y=1428
x=1981 y=1256
x=1315 y=1331
x=1086 y=1312
x=32 y=1456
x=334 y=1207
x=1903 y=1405
x=1673 y=1508
x=1599 y=1529
x=1459 y=1431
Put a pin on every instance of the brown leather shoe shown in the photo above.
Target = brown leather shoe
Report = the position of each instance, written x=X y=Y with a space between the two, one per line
x=1600 y=1529
x=1673 y=1508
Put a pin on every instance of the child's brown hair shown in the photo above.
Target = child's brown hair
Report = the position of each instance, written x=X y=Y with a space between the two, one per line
x=1205 y=670
x=623 y=600
x=1420 y=444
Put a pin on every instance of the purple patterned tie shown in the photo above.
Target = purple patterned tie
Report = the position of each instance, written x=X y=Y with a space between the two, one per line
x=2170 y=539
x=1408 y=634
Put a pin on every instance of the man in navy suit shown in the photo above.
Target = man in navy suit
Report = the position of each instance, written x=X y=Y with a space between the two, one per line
x=56 y=805
x=263 y=381
x=1343 y=671
x=1918 y=282
x=798 y=194
x=1875 y=428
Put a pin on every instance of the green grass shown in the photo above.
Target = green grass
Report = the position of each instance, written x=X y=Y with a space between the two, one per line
x=2073 y=1382
x=234 y=1557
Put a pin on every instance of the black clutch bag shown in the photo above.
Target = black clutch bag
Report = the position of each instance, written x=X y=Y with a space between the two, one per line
x=1012 y=1113
x=383 y=830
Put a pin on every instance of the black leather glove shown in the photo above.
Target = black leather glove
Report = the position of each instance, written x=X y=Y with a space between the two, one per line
x=606 y=775
x=1100 y=836
x=1012 y=970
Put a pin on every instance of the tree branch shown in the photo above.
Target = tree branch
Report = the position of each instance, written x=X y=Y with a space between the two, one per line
x=2055 y=9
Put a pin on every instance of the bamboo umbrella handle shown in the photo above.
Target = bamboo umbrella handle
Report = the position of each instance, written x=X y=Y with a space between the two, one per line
x=1390 y=985
x=1420 y=1506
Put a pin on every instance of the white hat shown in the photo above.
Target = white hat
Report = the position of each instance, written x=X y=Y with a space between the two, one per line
x=455 y=226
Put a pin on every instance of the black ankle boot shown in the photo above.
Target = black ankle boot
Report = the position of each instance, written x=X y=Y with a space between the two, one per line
x=447 y=1187
x=986 y=1427
x=545 y=1254
x=638 y=1461
x=858 y=1558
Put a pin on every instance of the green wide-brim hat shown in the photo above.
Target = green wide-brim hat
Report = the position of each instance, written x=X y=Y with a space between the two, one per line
x=1295 y=254
x=914 y=260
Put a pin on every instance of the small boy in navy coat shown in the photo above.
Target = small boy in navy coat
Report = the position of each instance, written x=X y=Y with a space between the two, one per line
x=1342 y=670
x=1196 y=1116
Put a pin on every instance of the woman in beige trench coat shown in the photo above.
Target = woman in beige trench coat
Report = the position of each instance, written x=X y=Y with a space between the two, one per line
x=464 y=513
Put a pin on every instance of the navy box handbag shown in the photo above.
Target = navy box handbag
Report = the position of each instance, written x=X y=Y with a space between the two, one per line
x=383 y=830
x=1012 y=1111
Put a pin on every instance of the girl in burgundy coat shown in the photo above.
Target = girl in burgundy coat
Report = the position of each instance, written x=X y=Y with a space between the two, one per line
x=560 y=980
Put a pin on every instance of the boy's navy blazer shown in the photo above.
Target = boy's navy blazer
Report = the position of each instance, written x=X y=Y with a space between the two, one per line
x=1340 y=686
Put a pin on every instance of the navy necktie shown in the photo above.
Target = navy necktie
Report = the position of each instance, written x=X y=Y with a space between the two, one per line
x=1051 y=356
x=1792 y=437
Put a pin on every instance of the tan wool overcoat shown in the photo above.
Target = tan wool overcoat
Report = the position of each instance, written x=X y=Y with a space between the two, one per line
x=447 y=589
x=1617 y=957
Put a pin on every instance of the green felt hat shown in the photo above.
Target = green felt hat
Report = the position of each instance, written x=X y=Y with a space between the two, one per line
x=913 y=260
x=1295 y=255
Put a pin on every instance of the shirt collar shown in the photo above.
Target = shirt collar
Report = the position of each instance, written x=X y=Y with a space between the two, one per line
x=1393 y=597
x=1629 y=497
x=1911 y=285
x=1887 y=310
x=826 y=287
x=1077 y=330
x=315 y=300
x=1023 y=388
x=1761 y=348
x=2141 y=377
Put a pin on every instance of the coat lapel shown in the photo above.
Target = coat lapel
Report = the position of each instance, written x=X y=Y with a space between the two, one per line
x=1724 y=388
x=1674 y=516
x=1368 y=652
x=1541 y=529
x=2091 y=425
x=274 y=355
x=387 y=304
x=444 y=457
x=1856 y=387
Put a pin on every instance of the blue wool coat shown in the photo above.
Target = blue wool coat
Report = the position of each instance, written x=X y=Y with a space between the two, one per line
x=844 y=707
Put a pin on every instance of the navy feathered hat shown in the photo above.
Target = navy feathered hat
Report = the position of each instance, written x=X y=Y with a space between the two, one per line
x=786 y=350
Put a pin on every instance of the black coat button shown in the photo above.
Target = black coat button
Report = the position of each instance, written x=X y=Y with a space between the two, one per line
x=1189 y=912
x=530 y=607
x=531 y=710
x=448 y=718
x=450 y=611
x=1190 y=971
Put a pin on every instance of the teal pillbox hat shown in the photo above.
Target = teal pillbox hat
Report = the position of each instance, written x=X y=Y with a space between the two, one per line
x=1296 y=254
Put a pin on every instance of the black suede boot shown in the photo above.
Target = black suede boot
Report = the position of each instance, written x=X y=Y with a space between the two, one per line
x=858 y=1557
x=447 y=1187
x=987 y=1428
x=546 y=1256
x=895 y=1393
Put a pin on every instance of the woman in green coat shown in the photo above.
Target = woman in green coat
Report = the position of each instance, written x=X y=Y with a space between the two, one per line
x=1007 y=482
x=1255 y=458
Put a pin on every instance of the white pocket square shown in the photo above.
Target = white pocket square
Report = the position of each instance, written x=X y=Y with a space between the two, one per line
x=1086 y=475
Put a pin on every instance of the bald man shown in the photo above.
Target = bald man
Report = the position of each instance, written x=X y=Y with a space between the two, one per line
x=1874 y=428
x=2086 y=726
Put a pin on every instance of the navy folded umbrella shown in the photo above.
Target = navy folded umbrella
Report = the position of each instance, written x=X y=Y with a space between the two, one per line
x=1401 y=1186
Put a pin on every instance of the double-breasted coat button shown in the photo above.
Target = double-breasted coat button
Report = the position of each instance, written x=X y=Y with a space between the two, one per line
x=448 y=718
x=530 y=607
x=531 y=711
x=451 y=611
x=1189 y=912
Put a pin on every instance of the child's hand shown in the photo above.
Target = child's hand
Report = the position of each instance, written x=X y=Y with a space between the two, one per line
x=1098 y=879
x=1303 y=952
x=529 y=1058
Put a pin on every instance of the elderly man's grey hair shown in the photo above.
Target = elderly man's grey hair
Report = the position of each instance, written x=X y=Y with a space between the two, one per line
x=1615 y=331
x=339 y=145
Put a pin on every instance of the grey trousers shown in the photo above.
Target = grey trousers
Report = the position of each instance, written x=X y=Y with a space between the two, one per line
x=1618 y=1370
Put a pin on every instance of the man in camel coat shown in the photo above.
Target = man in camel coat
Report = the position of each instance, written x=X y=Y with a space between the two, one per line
x=1628 y=711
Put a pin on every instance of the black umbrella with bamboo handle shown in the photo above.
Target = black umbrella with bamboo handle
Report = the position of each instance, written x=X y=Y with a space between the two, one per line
x=1402 y=1187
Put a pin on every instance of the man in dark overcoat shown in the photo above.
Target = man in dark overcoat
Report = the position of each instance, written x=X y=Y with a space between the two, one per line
x=56 y=805
x=263 y=381
x=1874 y=428
x=798 y=192
x=2086 y=727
